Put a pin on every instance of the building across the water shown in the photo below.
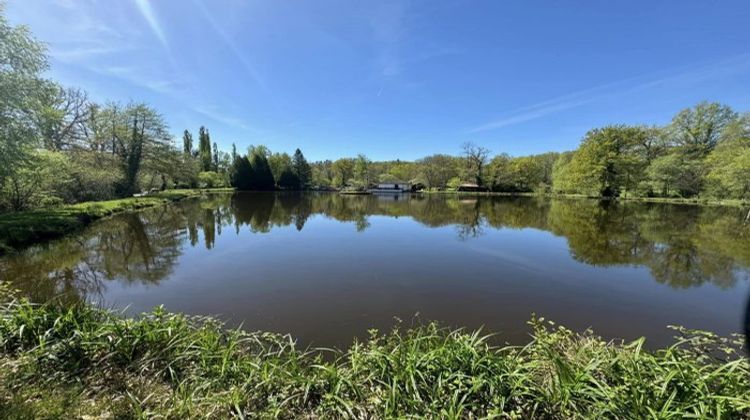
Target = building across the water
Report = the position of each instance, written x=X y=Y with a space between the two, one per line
x=392 y=187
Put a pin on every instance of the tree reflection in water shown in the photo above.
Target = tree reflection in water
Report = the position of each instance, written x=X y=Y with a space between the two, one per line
x=682 y=246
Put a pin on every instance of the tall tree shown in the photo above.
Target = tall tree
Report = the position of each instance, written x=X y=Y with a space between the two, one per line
x=699 y=128
x=22 y=87
x=138 y=133
x=234 y=152
x=279 y=162
x=343 y=170
x=302 y=169
x=215 y=164
x=476 y=158
x=362 y=171
x=262 y=179
x=187 y=143
x=241 y=173
x=204 y=149
x=606 y=162
x=62 y=119
x=438 y=169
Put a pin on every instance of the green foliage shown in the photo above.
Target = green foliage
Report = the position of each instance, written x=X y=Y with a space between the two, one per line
x=698 y=129
x=279 y=162
x=302 y=170
x=22 y=93
x=729 y=163
x=262 y=178
x=241 y=174
x=187 y=143
x=288 y=180
x=86 y=362
x=24 y=228
x=204 y=149
x=437 y=170
x=361 y=171
x=676 y=174
x=212 y=179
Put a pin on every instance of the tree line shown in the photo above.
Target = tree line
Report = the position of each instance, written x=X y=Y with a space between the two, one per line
x=58 y=146
x=703 y=151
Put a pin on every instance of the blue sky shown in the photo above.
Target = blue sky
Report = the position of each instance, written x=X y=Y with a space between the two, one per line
x=399 y=79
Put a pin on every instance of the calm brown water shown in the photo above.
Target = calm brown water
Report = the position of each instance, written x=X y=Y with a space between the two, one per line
x=326 y=267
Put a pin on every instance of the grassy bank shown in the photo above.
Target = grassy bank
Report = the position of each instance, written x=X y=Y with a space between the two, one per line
x=673 y=200
x=81 y=361
x=18 y=230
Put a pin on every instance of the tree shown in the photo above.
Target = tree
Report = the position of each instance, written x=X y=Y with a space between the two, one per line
x=301 y=169
x=262 y=178
x=476 y=158
x=699 y=128
x=234 y=152
x=438 y=169
x=204 y=149
x=606 y=163
x=187 y=143
x=729 y=163
x=343 y=171
x=22 y=62
x=562 y=179
x=279 y=162
x=241 y=173
x=215 y=158
x=62 y=119
x=361 y=171
x=676 y=173
x=136 y=135
x=288 y=179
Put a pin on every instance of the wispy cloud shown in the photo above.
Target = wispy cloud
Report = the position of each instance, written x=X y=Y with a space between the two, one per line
x=387 y=24
x=246 y=63
x=692 y=74
x=222 y=117
x=144 y=7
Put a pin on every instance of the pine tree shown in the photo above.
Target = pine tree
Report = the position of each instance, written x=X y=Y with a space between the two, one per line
x=262 y=179
x=187 y=143
x=302 y=169
x=241 y=173
x=288 y=179
x=234 y=152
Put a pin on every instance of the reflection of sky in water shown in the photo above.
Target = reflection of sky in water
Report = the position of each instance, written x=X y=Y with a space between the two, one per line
x=326 y=267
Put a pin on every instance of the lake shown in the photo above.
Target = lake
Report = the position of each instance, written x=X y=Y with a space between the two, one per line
x=326 y=267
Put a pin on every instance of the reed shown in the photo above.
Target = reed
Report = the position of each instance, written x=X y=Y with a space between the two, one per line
x=79 y=361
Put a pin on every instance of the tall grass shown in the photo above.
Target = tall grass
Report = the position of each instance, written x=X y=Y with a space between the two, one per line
x=77 y=361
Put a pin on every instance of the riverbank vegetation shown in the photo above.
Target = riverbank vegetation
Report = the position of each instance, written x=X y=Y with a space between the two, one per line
x=703 y=152
x=20 y=229
x=78 y=361
x=60 y=147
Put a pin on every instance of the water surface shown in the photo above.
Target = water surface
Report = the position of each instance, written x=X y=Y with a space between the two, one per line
x=327 y=268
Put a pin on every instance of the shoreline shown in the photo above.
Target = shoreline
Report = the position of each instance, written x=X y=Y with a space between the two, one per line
x=84 y=361
x=662 y=200
x=23 y=229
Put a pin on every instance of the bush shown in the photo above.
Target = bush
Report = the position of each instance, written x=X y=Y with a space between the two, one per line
x=211 y=179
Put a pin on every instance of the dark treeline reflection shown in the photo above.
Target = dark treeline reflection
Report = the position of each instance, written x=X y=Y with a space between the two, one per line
x=682 y=246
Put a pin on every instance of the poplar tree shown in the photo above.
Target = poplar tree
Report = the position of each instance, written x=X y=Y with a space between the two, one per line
x=204 y=149
x=187 y=143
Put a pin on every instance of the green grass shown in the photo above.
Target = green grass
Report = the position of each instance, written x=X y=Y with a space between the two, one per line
x=83 y=361
x=21 y=229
